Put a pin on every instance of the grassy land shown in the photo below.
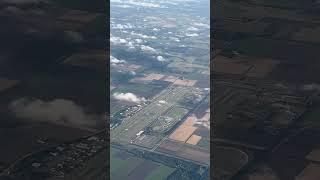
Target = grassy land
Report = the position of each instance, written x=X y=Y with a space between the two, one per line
x=144 y=90
x=177 y=112
x=161 y=173
x=205 y=143
x=121 y=168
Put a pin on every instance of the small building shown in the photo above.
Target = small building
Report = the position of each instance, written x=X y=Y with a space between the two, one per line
x=139 y=133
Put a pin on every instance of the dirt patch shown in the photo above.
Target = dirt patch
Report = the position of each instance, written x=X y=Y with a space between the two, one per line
x=194 y=139
x=182 y=133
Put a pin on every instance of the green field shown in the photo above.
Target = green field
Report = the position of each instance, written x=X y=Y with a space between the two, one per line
x=177 y=112
x=205 y=143
x=191 y=99
x=124 y=167
x=144 y=90
x=160 y=173
x=182 y=66
x=120 y=167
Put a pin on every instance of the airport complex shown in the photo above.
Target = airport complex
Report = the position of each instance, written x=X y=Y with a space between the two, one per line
x=160 y=90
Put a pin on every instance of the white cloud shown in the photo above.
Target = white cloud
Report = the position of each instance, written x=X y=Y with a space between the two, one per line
x=123 y=6
x=130 y=97
x=156 y=29
x=192 y=29
x=168 y=2
x=115 y=61
x=160 y=58
x=117 y=40
x=116 y=1
x=58 y=111
x=192 y=34
x=202 y=25
x=175 y=39
x=143 y=4
x=143 y=36
x=122 y=26
x=139 y=40
x=131 y=45
x=137 y=3
x=148 y=49
x=121 y=41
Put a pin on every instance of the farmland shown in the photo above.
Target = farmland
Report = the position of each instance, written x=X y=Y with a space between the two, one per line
x=125 y=165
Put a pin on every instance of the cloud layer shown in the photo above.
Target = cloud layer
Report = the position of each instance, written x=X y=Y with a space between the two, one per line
x=129 y=97
x=148 y=49
x=138 y=3
x=115 y=61
x=58 y=111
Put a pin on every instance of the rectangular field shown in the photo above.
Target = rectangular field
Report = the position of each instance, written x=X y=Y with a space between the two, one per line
x=185 y=151
x=194 y=139
x=126 y=166
x=182 y=133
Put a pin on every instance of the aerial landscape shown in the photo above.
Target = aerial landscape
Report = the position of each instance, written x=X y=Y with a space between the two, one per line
x=52 y=90
x=159 y=89
x=54 y=119
x=265 y=74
